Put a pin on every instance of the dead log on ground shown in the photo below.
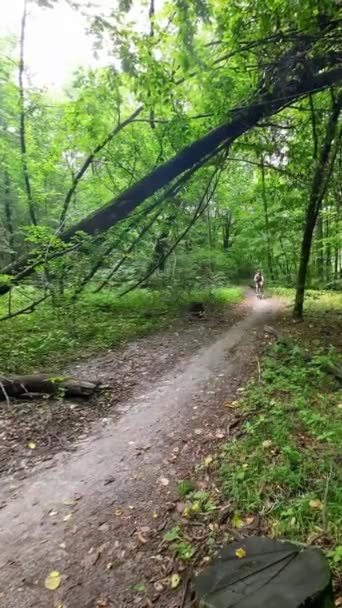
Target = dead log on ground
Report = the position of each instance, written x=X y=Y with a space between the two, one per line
x=45 y=384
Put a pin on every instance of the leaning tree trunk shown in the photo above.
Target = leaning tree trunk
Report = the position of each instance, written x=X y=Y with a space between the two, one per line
x=320 y=183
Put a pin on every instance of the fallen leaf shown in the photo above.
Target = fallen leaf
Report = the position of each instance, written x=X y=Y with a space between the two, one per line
x=240 y=553
x=60 y=606
x=67 y=517
x=53 y=580
x=316 y=504
x=62 y=546
x=338 y=601
x=109 y=566
x=118 y=512
x=237 y=522
x=31 y=445
x=340 y=408
x=267 y=443
x=164 y=481
x=175 y=581
x=53 y=513
x=208 y=460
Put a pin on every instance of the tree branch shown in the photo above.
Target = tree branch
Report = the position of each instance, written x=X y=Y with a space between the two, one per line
x=90 y=159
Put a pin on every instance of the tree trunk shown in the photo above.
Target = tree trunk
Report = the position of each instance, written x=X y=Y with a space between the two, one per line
x=267 y=223
x=151 y=14
x=8 y=216
x=22 y=119
x=243 y=119
x=227 y=222
x=320 y=183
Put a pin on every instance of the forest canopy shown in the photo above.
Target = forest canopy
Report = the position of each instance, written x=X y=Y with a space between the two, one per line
x=209 y=145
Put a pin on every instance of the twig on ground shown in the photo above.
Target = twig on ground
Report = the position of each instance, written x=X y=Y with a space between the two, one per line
x=186 y=588
x=3 y=390
x=259 y=369
x=325 y=501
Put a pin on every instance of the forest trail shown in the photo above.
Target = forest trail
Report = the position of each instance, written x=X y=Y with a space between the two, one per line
x=90 y=514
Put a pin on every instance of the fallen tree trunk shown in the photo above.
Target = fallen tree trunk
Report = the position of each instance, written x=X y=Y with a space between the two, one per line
x=44 y=384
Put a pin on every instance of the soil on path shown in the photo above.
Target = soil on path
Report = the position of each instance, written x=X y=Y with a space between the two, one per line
x=95 y=514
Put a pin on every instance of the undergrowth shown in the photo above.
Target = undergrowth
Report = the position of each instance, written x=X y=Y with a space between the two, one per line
x=54 y=334
x=315 y=300
x=287 y=465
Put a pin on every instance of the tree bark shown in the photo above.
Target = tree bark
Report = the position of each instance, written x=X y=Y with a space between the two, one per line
x=320 y=183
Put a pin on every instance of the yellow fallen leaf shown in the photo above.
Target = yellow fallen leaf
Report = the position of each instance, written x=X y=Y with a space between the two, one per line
x=237 y=522
x=240 y=553
x=60 y=606
x=267 y=443
x=118 y=512
x=316 y=504
x=208 y=460
x=62 y=546
x=175 y=580
x=186 y=512
x=32 y=445
x=155 y=515
x=339 y=406
x=67 y=517
x=53 y=580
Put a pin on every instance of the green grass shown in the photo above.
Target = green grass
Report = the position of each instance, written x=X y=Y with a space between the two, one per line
x=314 y=300
x=286 y=465
x=51 y=336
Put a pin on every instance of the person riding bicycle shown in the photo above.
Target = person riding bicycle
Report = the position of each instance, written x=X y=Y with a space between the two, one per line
x=258 y=280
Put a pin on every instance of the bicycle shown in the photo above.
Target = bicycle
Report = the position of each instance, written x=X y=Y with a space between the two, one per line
x=259 y=290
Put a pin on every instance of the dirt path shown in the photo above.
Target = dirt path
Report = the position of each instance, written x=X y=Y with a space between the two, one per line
x=92 y=514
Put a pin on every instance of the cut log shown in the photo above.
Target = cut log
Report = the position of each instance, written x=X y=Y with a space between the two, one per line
x=265 y=573
x=44 y=384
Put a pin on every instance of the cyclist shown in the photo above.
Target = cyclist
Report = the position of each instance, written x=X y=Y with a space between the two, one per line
x=258 y=281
